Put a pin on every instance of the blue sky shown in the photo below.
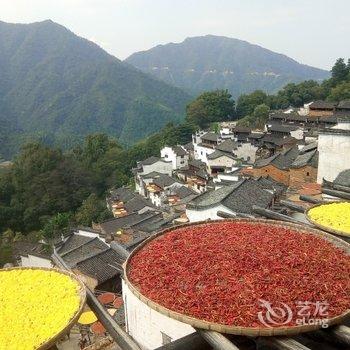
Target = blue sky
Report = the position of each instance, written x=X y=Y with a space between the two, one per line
x=312 y=32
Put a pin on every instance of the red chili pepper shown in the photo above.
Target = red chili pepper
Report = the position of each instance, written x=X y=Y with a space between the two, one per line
x=218 y=271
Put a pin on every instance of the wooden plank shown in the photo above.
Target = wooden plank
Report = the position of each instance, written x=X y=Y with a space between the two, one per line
x=334 y=193
x=192 y=341
x=283 y=343
x=217 y=340
x=225 y=215
x=270 y=214
x=310 y=199
x=292 y=205
x=341 y=334
x=122 y=338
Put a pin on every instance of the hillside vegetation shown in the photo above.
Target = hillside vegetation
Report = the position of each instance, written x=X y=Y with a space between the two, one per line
x=215 y=62
x=58 y=87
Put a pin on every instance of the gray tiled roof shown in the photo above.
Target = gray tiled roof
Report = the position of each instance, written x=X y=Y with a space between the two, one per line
x=309 y=147
x=183 y=192
x=102 y=266
x=249 y=193
x=239 y=197
x=296 y=117
x=345 y=104
x=343 y=178
x=281 y=160
x=322 y=105
x=151 y=175
x=29 y=248
x=242 y=129
x=210 y=136
x=278 y=140
x=137 y=203
x=74 y=241
x=269 y=183
x=283 y=128
x=196 y=163
x=152 y=224
x=217 y=154
x=86 y=250
x=211 y=198
x=227 y=146
x=256 y=135
x=265 y=161
x=164 y=180
x=189 y=146
x=178 y=150
x=151 y=160
x=113 y=225
x=122 y=194
x=308 y=158
x=278 y=115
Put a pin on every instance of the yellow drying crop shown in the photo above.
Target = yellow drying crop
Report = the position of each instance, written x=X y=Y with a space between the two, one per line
x=35 y=305
x=334 y=215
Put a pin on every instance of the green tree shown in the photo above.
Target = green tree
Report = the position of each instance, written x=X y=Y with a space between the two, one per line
x=340 y=92
x=340 y=71
x=57 y=225
x=247 y=102
x=261 y=114
x=213 y=106
x=92 y=210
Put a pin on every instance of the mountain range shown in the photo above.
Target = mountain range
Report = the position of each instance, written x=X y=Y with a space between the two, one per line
x=59 y=87
x=214 y=62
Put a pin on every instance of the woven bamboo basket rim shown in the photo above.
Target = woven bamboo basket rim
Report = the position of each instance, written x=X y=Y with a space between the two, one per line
x=82 y=297
x=322 y=227
x=237 y=330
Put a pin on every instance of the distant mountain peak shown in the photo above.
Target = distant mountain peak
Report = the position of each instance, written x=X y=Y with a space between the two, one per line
x=202 y=63
x=61 y=87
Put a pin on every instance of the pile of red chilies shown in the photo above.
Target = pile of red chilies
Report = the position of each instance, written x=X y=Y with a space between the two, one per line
x=217 y=272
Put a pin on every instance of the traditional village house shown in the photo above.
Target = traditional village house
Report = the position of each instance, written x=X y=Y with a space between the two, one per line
x=195 y=175
x=123 y=201
x=219 y=162
x=292 y=167
x=283 y=131
x=149 y=165
x=28 y=254
x=343 y=106
x=321 y=109
x=241 y=133
x=238 y=198
x=177 y=155
x=92 y=259
x=159 y=187
x=204 y=144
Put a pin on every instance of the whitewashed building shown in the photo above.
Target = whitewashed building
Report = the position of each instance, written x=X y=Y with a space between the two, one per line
x=232 y=199
x=334 y=151
x=28 y=254
x=147 y=166
x=177 y=155
x=148 y=327
x=219 y=162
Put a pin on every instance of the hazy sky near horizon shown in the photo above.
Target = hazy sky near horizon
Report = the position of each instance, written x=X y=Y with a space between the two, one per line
x=314 y=32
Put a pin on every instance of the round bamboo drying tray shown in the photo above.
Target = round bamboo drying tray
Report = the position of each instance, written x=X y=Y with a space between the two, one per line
x=322 y=227
x=82 y=296
x=246 y=331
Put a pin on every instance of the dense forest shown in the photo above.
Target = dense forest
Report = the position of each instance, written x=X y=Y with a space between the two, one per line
x=48 y=190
